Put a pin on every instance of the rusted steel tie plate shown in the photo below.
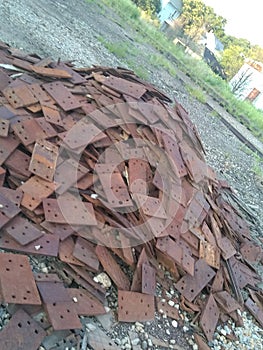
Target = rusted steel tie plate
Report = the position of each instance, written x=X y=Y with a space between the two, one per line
x=4 y=127
x=191 y=286
x=209 y=318
x=85 y=303
x=172 y=149
x=22 y=230
x=133 y=306
x=227 y=248
x=112 y=268
x=8 y=210
x=28 y=131
x=255 y=311
x=226 y=301
x=85 y=251
x=35 y=189
x=53 y=292
x=164 y=308
x=19 y=162
x=52 y=115
x=63 y=231
x=66 y=252
x=100 y=341
x=210 y=253
x=7 y=146
x=63 y=315
x=82 y=134
x=19 y=96
x=45 y=245
x=150 y=206
x=148 y=279
x=74 y=212
x=44 y=159
x=64 y=98
x=251 y=252
x=125 y=87
x=22 y=332
x=51 y=72
x=17 y=280
x=2 y=176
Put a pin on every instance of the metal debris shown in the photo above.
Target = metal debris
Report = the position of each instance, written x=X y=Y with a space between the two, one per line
x=97 y=170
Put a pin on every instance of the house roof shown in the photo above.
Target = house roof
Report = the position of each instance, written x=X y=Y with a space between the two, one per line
x=255 y=64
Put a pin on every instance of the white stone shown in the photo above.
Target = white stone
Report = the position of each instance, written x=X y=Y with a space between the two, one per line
x=185 y=329
x=103 y=279
x=37 y=247
x=167 y=331
x=75 y=299
x=45 y=270
x=195 y=347
x=177 y=306
x=171 y=303
x=172 y=341
x=91 y=327
x=174 y=323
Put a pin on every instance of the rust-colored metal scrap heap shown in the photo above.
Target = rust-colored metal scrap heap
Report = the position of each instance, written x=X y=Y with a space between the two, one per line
x=97 y=170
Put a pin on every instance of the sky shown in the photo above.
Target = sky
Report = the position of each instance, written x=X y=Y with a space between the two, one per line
x=244 y=18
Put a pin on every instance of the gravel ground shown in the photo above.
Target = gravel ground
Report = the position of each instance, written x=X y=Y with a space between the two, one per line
x=70 y=30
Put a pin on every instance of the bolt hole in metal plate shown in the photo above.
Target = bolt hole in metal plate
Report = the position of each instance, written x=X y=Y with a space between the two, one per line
x=19 y=96
x=22 y=230
x=17 y=280
x=28 y=131
x=19 y=162
x=63 y=315
x=44 y=159
x=125 y=87
x=7 y=146
x=85 y=251
x=22 y=332
x=133 y=306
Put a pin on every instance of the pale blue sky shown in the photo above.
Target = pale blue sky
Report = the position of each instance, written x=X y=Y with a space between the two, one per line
x=244 y=18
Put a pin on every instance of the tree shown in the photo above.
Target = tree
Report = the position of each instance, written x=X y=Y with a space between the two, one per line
x=150 y=6
x=232 y=59
x=197 y=18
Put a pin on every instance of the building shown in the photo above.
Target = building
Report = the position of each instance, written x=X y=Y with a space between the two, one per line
x=170 y=11
x=247 y=84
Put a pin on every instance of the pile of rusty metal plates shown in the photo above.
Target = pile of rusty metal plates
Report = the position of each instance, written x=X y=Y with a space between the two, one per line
x=100 y=172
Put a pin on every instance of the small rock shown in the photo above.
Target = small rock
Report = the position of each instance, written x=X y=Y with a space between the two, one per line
x=91 y=327
x=135 y=341
x=144 y=345
x=171 y=303
x=103 y=279
x=172 y=341
x=174 y=323
x=185 y=329
x=45 y=270
x=168 y=332
x=150 y=343
x=195 y=347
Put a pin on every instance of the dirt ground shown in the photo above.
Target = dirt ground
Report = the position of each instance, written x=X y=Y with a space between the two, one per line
x=71 y=30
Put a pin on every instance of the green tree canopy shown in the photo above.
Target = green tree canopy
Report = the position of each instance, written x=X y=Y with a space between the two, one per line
x=150 y=6
x=197 y=18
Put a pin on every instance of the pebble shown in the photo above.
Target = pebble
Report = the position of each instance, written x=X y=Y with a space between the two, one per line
x=103 y=279
x=135 y=341
x=195 y=347
x=171 y=303
x=172 y=341
x=150 y=343
x=45 y=270
x=168 y=332
x=91 y=327
x=174 y=323
x=144 y=345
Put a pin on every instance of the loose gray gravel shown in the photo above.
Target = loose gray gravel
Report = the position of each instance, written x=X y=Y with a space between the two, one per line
x=70 y=30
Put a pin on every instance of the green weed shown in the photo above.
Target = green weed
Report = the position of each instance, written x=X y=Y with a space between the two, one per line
x=196 y=93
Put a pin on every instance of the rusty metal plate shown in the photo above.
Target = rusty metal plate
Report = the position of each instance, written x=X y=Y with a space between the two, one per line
x=4 y=127
x=251 y=252
x=63 y=316
x=19 y=162
x=19 y=96
x=62 y=231
x=82 y=134
x=8 y=210
x=66 y=252
x=22 y=332
x=242 y=273
x=125 y=87
x=17 y=280
x=39 y=93
x=35 y=189
x=226 y=247
x=115 y=190
x=218 y=281
x=85 y=251
x=255 y=311
x=226 y=301
x=191 y=286
x=51 y=72
x=53 y=292
x=74 y=212
x=46 y=127
x=68 y=173
x=7 y=146
x=64 y=98
x=75 y=78
x=22 y=230
x=112 y=268
x=164 y=308
x=209 y=318
x=45 y=245
x=52 y=115
x=150 y=206
x=133 y=306
x=175 y=158
x=47 y=277
x=44 y=159
x=28 y=131
x=85 y=303
x=210 y=253
x=100 y=341
x=148 y=279
x=2 y=176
